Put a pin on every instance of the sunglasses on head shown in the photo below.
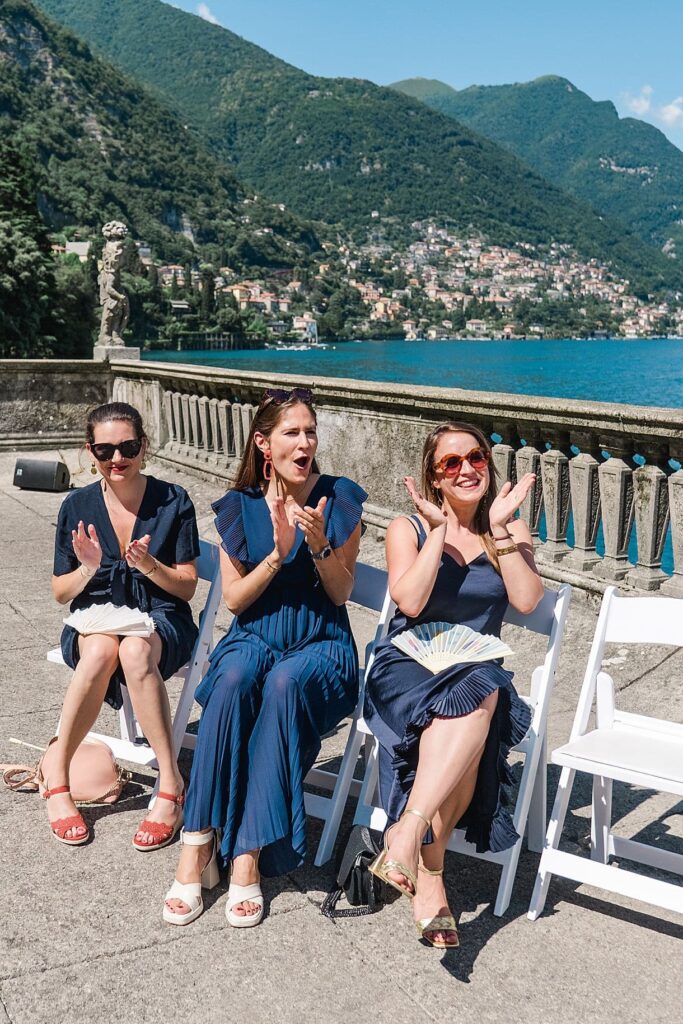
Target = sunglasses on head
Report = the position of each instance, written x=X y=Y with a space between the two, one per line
x=279 y=396
x=450 y=465
x=128 y=449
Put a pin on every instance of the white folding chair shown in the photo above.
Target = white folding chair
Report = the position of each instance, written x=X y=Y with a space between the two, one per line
x=130 y=745
x=548 y=619
x=626 y=747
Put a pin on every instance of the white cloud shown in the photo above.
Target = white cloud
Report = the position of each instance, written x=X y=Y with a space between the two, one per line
x=642 y=103
x=205 y=12
x=672 y=113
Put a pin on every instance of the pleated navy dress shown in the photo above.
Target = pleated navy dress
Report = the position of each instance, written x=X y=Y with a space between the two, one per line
x=284 y=675
x=167 y=515
x=402 y=698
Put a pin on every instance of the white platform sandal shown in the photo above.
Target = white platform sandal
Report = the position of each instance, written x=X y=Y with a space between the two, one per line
x=243 y=894
x=191 y=892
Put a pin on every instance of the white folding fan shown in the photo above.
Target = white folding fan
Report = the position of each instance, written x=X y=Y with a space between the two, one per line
x=109 y=618
x=438 y=645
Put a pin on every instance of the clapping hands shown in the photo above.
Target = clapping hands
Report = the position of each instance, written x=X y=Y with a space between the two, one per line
x=137 y=551
x=508 y=500
x=312 y=522
x=434 y=515
x=86 y=547
x=284 y=528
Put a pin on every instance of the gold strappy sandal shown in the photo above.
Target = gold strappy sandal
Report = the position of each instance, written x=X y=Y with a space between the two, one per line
x=430 y=925
x=382 y=865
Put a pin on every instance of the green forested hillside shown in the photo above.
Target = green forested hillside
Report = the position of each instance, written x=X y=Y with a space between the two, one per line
x=346 y=151
x=103 y=147
x=623 y=166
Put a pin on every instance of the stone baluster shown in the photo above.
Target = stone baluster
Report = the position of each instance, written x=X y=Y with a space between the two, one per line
x=187 y=424
x=237 y=429
x=248 y=413
x=557 y=501
x=615 y=479
x=194 y=422
x=585 y=490
x=225 y=426
x=674 y=585
x=168 y=414
x=503 y=457
x=207 y=435
x=216 y=443
x=528 y=460
x=651 y=499
x=178 y=420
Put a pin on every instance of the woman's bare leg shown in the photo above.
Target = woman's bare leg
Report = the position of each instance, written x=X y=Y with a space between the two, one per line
x=139 y=657
x=98 y=659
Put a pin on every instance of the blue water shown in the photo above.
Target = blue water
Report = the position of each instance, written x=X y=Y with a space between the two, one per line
x=643 y=372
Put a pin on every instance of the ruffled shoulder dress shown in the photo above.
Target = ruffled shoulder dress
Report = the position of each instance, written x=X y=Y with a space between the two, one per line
x=402 y=698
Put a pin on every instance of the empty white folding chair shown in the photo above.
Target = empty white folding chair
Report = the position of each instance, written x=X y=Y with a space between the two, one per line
x=548 y=619
x=621 y=746
x=130 y=745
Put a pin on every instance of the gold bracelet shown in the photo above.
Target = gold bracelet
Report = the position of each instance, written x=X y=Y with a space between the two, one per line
x=154 y=567
x=507 y=551
x=86 y=575
x=272 y=569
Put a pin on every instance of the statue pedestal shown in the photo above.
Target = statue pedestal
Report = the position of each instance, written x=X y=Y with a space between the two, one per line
x=102 y=353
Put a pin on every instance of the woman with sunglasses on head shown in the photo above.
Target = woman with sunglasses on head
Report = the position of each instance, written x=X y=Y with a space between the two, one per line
x=444 y=737
x=128 y=539
x=284 y=675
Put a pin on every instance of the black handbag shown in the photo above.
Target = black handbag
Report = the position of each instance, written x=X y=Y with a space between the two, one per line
x=363 y=890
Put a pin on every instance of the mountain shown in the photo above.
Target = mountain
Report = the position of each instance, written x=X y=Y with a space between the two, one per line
x=346 y=152
x=625 y=167
x=103 y=147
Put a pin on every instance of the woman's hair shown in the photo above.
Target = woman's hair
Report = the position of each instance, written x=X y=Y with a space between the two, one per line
x=481 y=517
x=114 y=411
x=268 y=414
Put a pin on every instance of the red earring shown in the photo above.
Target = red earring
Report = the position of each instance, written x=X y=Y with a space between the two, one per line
x=267 y=466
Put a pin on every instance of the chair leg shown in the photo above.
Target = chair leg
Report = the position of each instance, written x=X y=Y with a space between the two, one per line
x=339 y=797
x=538 y=808
x=601 y=820
x=367 y=789
x=557 y=816
x=507 y=880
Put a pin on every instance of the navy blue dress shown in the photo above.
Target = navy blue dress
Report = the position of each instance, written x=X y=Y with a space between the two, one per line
x=284 y=675
x=402 y=698
x=167 y=515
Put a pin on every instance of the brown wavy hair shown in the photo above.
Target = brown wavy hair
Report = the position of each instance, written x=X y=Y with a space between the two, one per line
x=268 y=415
x=481 y=517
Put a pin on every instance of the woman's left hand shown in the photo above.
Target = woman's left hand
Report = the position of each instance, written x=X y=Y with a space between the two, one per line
x=137 y=554
x=508 y=500
x=312 y=522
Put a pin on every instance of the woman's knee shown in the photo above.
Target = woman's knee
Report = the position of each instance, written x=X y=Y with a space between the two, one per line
x=489 y=704
x=99 y=653
x=241 y=681
x=139 y=657
x=281 y=685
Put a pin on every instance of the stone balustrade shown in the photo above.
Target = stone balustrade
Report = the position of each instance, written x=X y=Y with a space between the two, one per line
x=599 y=467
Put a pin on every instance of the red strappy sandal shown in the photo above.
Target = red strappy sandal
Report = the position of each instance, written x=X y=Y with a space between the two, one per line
x=162 y=833
x=62 y=825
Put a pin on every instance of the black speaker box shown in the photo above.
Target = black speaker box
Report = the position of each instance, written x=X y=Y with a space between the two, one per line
x=41 y=475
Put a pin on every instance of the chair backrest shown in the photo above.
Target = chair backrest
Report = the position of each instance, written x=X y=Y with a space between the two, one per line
x=540 y=620
x=370 y=586
x=208 y=563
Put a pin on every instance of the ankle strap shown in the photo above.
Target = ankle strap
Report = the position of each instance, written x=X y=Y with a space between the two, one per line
x=179 y=800
x=418 y=814
x=428 y=871
x=196 y=838
x=47 y=793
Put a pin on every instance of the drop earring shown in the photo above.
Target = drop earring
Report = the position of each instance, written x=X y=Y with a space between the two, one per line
x=93 y=469
x=267 y=466
x=143 y=464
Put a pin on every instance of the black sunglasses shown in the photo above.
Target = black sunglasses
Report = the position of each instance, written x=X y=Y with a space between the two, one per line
x=279 y=396
x=105 y=452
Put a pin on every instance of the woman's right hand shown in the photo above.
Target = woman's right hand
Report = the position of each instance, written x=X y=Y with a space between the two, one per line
x=427 y=509
x=284 y=532
x=87 y=547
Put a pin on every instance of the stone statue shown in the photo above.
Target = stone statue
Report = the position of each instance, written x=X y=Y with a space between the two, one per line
x=114 y=302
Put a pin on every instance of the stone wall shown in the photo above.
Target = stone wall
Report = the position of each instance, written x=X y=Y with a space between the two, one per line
x=609 y=465
x=44 y=402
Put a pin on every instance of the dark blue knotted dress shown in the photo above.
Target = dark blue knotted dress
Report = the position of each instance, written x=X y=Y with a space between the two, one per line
x=402 y=698
x=284 y=675
x=167 y=514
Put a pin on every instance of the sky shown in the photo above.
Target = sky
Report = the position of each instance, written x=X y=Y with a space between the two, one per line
x=628 y=52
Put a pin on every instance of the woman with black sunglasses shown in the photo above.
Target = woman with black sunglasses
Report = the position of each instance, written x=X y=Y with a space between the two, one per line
x=131 y=540
x=287 y=671
x=444 y=737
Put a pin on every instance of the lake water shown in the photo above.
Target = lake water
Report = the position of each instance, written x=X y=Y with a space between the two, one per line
x=643 y=372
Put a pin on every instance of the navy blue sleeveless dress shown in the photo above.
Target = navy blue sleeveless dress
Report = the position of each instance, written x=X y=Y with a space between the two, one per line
x=284 y=675
x=167 y=514
x=402 y=698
